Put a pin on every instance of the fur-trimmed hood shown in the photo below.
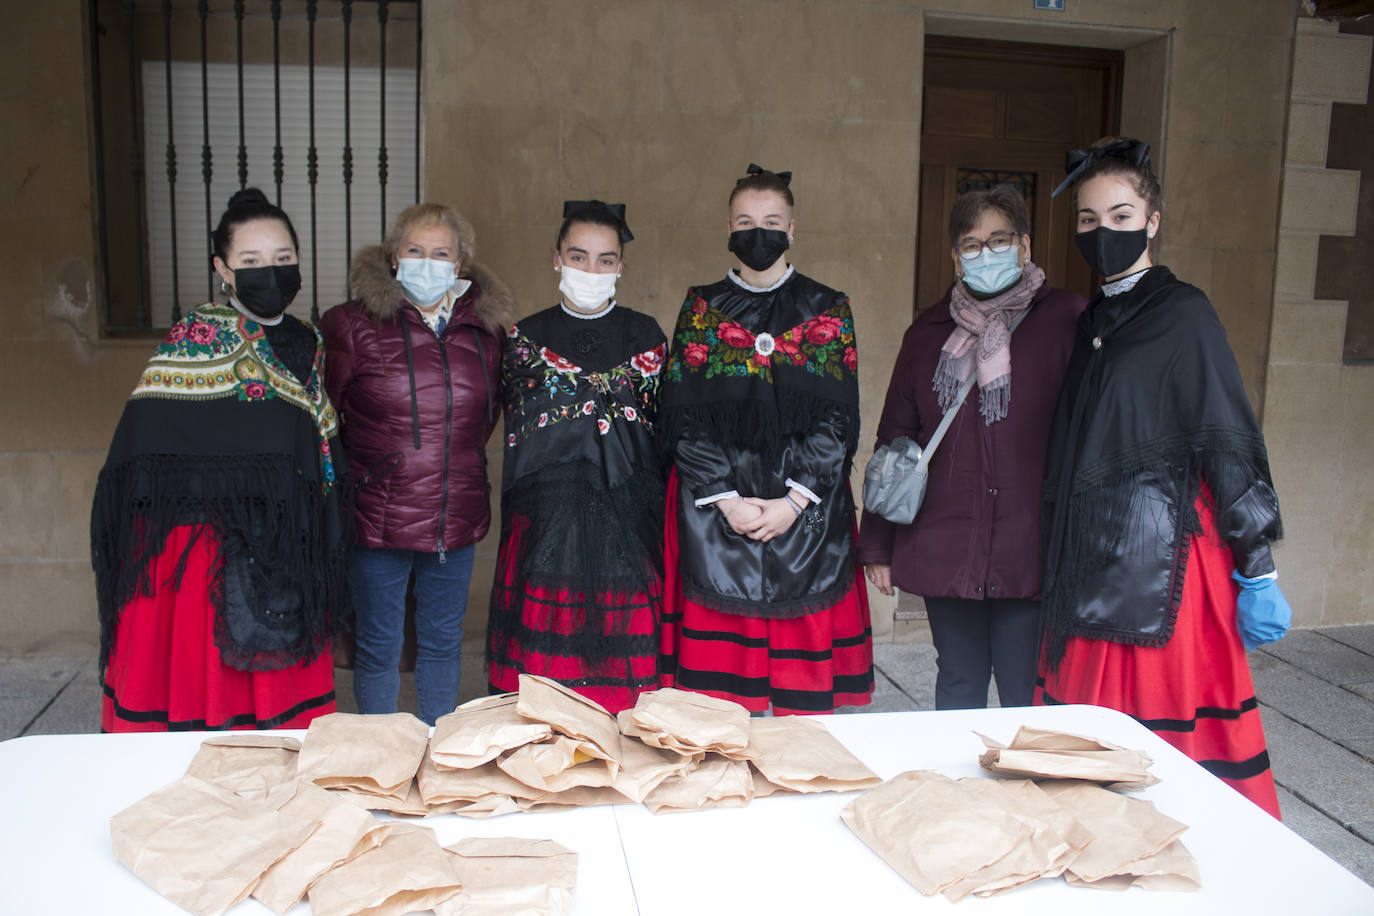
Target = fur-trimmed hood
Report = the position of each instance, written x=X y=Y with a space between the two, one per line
x=380 y=294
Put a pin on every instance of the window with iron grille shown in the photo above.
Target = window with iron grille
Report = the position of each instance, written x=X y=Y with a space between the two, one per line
x=316 y=103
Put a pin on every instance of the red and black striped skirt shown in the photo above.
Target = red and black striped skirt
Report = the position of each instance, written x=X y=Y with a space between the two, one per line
x=165 y=672
x=804 y=665
x=605 y=649
x=1194 y=692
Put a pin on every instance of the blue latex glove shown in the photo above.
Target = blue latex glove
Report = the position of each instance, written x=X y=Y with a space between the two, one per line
x=1262 y=613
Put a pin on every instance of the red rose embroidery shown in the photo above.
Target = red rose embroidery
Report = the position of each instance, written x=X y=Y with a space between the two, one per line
x=558 y=362
x=201 y=333
x=510 y=440
x=823 y=328
x=735 y=335
x=254 y=391
x=650 y=361
x=695 y=354
x=543 y=419
x=177 y=333
x=588 y=407
x=603 y=427
x=631 y=413
x=787 y=347
x=761 y=360
x=851 y=358
x=699 y=307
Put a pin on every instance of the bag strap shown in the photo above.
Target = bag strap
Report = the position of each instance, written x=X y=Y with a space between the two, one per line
x=929 y=451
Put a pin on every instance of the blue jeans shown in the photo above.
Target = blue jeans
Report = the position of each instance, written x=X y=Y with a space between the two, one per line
x=380 y=575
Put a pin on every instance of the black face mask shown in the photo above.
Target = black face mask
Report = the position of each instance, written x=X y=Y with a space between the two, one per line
x=758 y=249
x=1110 y=251
x=267 y=291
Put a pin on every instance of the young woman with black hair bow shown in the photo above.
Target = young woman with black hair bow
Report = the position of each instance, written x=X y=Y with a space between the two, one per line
x=578 y=587
x=217 y=535
x=1159 y=507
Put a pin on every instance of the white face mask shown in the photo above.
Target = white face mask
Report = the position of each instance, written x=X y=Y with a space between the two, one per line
x=425 y=279
x=586 y=292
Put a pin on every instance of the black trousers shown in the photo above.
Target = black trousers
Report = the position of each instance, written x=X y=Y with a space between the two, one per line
x=977 y=639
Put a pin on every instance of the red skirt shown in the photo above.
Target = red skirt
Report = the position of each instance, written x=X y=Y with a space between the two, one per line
x=165 y=672
x=545 y=631
x=1194 y=692
x=805 y=665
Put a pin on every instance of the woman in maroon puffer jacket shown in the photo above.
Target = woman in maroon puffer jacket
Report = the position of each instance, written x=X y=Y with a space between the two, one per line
x=413 y=369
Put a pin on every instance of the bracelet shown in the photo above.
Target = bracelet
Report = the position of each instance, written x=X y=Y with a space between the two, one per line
x=788 y=497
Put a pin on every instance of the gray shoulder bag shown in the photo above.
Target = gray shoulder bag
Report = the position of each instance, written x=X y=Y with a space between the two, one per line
x=895 y=479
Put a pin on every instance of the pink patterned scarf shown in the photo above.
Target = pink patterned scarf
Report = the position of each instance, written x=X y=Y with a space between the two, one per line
x=982 y=340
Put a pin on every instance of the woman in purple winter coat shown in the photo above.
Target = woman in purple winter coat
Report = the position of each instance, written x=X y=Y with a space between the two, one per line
x=413 y=369
x=973 y=550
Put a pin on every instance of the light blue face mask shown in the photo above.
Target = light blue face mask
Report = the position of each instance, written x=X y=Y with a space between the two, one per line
x=992 y=271
x=425 y=279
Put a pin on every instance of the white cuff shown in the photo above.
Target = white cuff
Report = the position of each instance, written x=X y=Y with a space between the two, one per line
x=804 y=491
x=1274 y=574
x=712 y=500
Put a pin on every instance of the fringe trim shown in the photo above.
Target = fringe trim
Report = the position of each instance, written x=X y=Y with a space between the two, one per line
x=994 y=399
x=259 y=504
x=1086 y=529
x=758 y=425
x=789 y=610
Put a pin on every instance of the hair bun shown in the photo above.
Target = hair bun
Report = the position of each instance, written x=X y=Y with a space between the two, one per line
x=248 y=197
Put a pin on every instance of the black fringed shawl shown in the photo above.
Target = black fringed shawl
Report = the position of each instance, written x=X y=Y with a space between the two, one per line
x=219 y=433
x=1152 y=409
x=752 y=386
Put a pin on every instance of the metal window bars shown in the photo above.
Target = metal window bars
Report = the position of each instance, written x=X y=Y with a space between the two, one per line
x=275 y=80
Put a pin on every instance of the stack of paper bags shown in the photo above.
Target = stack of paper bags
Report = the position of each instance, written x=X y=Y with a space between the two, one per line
x=979 y=836
x=1040 y=754
x=286 y=820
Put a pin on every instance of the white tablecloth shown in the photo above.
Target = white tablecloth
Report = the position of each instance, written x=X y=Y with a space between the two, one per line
x=788 y=854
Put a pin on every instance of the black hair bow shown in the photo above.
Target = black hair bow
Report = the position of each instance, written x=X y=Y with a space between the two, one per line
x=784 y=177
x=1077 y=161
x=616 y=212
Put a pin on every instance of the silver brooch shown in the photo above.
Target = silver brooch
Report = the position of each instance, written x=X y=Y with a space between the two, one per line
x=764 y=345
x=1097 y=343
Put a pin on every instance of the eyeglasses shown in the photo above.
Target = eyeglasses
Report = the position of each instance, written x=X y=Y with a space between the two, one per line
x=972 y=248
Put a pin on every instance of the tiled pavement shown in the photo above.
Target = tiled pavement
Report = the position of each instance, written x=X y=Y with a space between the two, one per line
x=1316 y=692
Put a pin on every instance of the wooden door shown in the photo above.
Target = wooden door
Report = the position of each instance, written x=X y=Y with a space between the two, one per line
x=1006 y=111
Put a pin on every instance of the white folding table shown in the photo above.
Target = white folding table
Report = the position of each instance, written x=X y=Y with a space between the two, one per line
x=784 y=854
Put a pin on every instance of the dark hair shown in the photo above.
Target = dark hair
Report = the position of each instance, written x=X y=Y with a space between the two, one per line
x=1142 y=177
x=244 y=207
x=1005 y=198
x=596 y=212
x=763 y=181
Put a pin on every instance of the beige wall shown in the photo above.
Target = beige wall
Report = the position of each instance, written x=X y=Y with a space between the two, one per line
x=659 y=104
x=1319 y=421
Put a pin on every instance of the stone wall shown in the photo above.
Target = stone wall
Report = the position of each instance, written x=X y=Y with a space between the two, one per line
x=1319 y=417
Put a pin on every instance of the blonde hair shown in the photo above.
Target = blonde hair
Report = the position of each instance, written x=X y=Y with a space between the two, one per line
x=428 y=214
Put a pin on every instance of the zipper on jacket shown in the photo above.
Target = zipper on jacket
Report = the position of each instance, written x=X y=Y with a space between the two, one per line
x=448 y=436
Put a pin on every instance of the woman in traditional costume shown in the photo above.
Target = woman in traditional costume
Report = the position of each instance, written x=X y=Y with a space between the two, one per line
x=578 y=589
x=764 y=601
x=217 y=535
x=1158 y=499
